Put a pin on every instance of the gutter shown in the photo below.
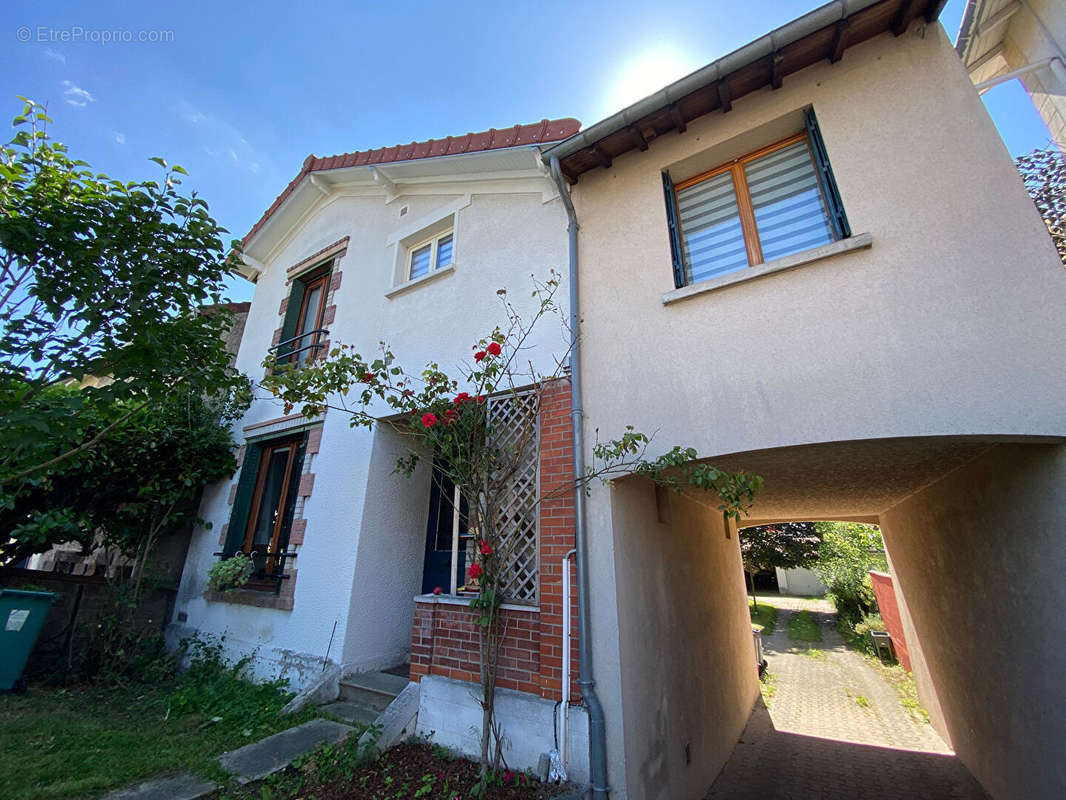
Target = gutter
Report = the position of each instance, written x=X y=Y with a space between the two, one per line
x=597 y=727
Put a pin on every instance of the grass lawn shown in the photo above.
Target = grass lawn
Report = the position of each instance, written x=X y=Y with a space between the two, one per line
x=803 y=628
x=764 y=615
x=82 y=742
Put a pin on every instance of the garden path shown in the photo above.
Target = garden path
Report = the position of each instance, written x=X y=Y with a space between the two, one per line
x=835 y=728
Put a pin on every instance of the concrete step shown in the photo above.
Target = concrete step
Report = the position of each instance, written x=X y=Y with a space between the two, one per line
x=260 y=759
x=374 y=690
x=351 y=712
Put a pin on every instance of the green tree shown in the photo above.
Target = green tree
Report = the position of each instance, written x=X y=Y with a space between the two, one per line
x=138 y=483
x=786 y=545
x=98 y=277
x=1044 y=174
x=849 y=550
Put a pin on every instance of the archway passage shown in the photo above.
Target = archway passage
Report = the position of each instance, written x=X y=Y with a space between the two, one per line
x=973 y=531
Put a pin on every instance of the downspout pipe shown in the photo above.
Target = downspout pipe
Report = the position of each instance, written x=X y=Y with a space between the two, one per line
x=597 y=727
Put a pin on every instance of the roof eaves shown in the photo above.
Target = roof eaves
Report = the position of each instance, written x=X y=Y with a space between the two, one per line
x=751 y=53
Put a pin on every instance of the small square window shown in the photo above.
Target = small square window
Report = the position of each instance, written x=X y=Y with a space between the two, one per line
x=766 y=205
x=430 y=255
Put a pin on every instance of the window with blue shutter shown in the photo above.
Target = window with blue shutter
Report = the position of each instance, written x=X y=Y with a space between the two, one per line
x=774 y=202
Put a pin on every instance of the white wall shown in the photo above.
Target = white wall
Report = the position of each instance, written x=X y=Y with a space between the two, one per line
x=687 y=658
x=799 y=580
x=979 y=558
x=501 y=240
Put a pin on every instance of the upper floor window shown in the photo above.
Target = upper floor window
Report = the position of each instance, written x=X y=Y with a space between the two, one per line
x=768 y=204
x=302 y=333
x=429 y=255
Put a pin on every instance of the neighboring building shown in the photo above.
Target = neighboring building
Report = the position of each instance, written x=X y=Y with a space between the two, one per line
x=799 y=581
x=1026 y=39
x=844 y=288
x=812 y=259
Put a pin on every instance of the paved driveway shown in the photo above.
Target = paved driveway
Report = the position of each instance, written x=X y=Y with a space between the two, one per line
x=835 y=729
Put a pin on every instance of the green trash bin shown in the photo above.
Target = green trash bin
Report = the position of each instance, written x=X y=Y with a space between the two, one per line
x=22 y=615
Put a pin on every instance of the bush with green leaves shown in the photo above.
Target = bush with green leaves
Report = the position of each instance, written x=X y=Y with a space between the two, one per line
x=849 y=550
x=230 y=573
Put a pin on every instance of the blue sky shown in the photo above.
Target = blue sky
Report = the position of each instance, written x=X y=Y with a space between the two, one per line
x=239 y=94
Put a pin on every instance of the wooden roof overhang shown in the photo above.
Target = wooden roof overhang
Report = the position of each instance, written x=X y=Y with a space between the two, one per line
x=824 y=33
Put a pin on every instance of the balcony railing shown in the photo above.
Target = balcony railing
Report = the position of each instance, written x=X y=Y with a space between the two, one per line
x=287 y=352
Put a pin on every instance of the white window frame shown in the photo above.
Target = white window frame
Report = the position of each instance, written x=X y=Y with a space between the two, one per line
x=434 y=242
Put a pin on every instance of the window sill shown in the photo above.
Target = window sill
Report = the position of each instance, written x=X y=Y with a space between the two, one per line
x=432 y=276
x=861 y=241
x=251 y=597
x=453 y=600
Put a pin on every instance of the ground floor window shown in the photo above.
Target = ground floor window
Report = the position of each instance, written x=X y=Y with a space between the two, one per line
x=265 y=504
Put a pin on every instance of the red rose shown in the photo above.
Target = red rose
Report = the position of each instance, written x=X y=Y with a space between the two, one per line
x=368 y=378
x=480 y=354
x=494 y=348
x=437 y=590
x=481 y=398
x=486 y=548
x=474 y=571
x=429 y=420
x=461 y=398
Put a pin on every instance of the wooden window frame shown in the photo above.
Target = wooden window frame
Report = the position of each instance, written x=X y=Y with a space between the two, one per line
x=434 y=242
x=743 y=196
x=316 y=277
x=268 y=448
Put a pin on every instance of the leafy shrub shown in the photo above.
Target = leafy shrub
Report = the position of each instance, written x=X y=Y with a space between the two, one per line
x=870 y=622
x=848 y=552
x=230 y=573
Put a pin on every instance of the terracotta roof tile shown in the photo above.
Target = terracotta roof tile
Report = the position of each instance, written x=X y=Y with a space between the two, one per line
x=544 y=131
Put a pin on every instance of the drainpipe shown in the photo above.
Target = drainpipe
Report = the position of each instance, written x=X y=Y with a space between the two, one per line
x=564 y=713
x=597 y=728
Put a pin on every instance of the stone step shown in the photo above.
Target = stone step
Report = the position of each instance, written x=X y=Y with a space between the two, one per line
x=374 y=690
x=260 y=759
x=351 y=712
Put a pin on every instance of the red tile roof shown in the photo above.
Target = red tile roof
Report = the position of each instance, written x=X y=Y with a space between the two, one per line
x=544 y=131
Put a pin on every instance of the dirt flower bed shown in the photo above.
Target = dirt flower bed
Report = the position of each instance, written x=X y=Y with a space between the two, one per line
x=410 y=770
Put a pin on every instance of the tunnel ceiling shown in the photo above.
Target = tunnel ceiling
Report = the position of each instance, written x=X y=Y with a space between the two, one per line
x=846 y=480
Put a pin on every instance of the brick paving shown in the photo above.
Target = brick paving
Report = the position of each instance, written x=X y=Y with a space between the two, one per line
x=817 y=741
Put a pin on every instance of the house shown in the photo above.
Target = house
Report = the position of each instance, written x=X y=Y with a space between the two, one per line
x=820 y=265
x=1026 y=39
x=813 y=260
x=409 y=245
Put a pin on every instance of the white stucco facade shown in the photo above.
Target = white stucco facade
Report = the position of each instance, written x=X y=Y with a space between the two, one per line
x=360 y=563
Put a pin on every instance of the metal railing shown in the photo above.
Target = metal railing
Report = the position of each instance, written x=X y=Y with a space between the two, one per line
x=270 y=573
x=292 y=355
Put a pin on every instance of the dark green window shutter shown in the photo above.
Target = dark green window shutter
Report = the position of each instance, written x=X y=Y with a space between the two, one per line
x=825 y=177
x=294 y=488
x=292 y=316
x=673 y=221
x=242 y=503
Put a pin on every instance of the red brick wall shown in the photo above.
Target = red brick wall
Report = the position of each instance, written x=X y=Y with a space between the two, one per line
x=885 y=591
x=444 y=640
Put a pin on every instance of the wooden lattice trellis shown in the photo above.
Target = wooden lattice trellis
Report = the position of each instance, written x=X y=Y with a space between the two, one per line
x=514 y=425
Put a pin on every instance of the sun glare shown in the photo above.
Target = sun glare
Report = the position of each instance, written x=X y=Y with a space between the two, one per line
x=641 y=76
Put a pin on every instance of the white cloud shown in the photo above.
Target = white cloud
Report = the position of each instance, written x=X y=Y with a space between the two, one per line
x=219 y=139
x=76 y=96
x=120 y=138
x=52 y=54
